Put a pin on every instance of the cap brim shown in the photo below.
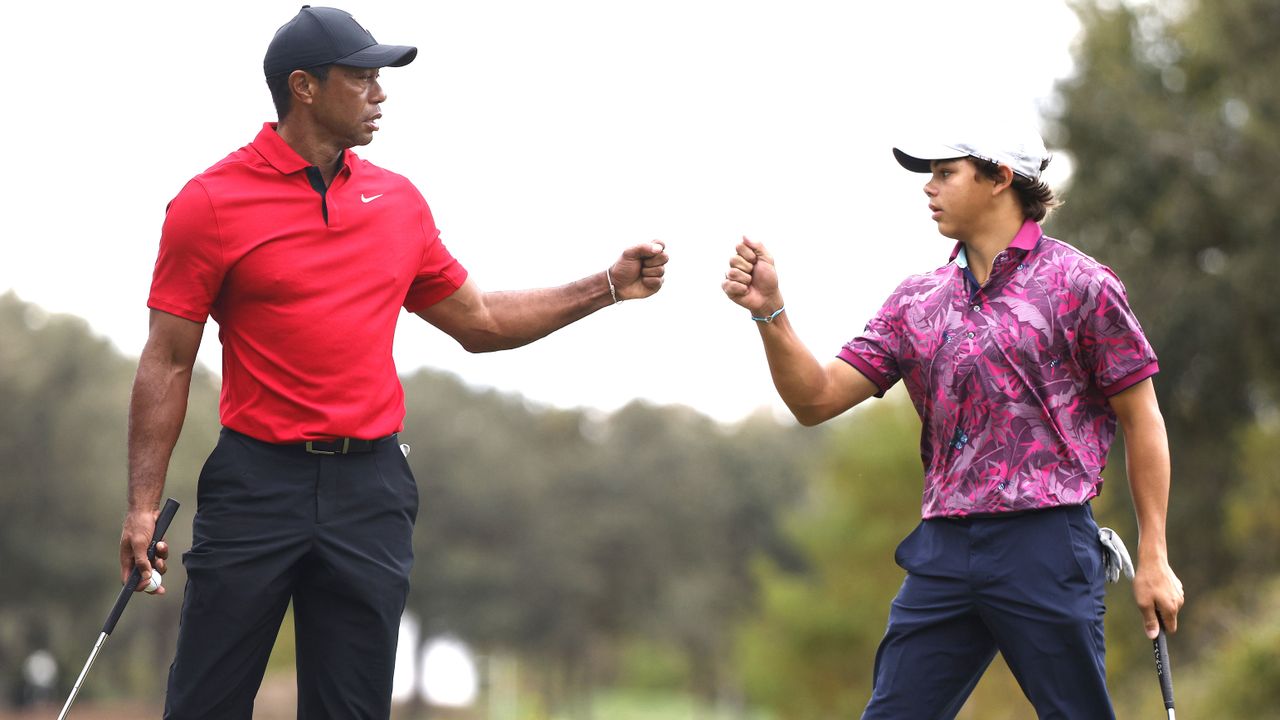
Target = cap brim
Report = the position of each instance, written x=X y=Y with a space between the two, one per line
x=376 y=56
x=920 y=159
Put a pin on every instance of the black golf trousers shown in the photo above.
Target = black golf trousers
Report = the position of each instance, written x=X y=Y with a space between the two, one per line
x=274 y=524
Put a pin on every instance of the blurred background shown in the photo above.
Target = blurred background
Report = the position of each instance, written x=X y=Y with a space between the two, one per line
x=619 y=523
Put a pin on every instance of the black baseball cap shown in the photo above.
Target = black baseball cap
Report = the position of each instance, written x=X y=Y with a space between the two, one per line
x=323 y=36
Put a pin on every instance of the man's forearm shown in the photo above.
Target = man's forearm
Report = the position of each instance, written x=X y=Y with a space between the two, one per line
x=157 y=409
x=518 y=317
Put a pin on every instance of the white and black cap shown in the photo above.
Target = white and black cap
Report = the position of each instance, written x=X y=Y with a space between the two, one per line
x=1023 y=151
x=324 y=36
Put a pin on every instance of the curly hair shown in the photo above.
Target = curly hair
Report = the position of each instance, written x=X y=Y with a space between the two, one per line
x=1035 y=196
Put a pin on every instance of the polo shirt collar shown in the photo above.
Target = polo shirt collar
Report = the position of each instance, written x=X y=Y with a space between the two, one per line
x=1028 y=235
x=280 y=156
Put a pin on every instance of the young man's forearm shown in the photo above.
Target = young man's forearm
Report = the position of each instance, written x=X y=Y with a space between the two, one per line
x=1156 y=587
x=1147 y=458
x=801 y=381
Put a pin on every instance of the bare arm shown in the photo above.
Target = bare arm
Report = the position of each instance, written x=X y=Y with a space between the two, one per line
x=157 y=409
x=1155 y=586
x=488 y=321
x=812 y=391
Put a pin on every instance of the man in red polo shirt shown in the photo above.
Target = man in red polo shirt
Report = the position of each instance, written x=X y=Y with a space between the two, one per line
x=305 y=253
x=1020 y=355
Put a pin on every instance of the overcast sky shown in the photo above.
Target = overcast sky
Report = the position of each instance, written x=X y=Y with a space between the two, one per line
x=546 y=137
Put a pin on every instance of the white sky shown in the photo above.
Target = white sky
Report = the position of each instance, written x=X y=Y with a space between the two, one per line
x=546 y=136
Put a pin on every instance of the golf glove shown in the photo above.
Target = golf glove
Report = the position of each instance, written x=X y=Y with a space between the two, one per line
x=1115 y=558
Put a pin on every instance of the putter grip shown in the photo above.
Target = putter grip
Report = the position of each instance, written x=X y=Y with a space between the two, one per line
x=162 y=526
x=1161 y=646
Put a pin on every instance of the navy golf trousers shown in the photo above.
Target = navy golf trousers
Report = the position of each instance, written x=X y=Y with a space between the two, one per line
x=274 y=524
x=1029 y=586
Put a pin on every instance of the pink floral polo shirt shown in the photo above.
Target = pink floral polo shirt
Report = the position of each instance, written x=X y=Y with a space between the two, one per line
x=1010 y=379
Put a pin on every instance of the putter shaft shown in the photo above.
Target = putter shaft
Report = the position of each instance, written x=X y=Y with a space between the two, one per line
x=130 y=585
x=75 y=690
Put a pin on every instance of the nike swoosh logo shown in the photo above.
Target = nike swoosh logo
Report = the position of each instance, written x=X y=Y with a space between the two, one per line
x=364 y=199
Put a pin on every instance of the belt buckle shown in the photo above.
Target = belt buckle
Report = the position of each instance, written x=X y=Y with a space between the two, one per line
x=346 y=446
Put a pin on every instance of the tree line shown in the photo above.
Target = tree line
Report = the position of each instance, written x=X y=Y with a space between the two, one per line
x=563 y=537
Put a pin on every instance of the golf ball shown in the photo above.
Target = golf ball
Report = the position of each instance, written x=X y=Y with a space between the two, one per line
x=154 y=583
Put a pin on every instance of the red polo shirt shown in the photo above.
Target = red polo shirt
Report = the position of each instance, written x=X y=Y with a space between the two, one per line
x=306 y=288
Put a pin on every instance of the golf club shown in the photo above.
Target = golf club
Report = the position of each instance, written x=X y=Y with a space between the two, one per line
x=1116 y=562
x=162 y=524
x=1161 y=647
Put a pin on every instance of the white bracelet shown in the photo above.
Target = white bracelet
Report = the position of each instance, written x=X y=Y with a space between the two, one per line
x=612 y=291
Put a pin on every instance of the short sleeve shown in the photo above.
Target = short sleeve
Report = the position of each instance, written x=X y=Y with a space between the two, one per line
x=874 y=353
x=439 y=274
x=1113 y=348
x=189 y=265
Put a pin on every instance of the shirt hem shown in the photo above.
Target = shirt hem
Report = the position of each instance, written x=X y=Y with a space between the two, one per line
x=1131 y=379
x=1009 y=513
x=435 y=296
x=865 y=368
x=178 y=310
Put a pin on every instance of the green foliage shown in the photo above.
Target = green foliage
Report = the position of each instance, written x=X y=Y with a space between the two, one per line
x=1244 y=674
x=648 y=666
x=1253 y=505
x=1238 y=675
x=63 y=399
x=558 y=533
x=633 y=705
x=809 y=651
x=1171 y=122
x=599 y=548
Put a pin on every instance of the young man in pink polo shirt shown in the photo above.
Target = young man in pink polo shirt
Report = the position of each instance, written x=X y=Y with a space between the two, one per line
x=1020 y=355
x=306 y=255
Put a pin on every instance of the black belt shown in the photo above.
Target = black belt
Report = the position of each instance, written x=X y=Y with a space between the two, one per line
x=340 y=446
